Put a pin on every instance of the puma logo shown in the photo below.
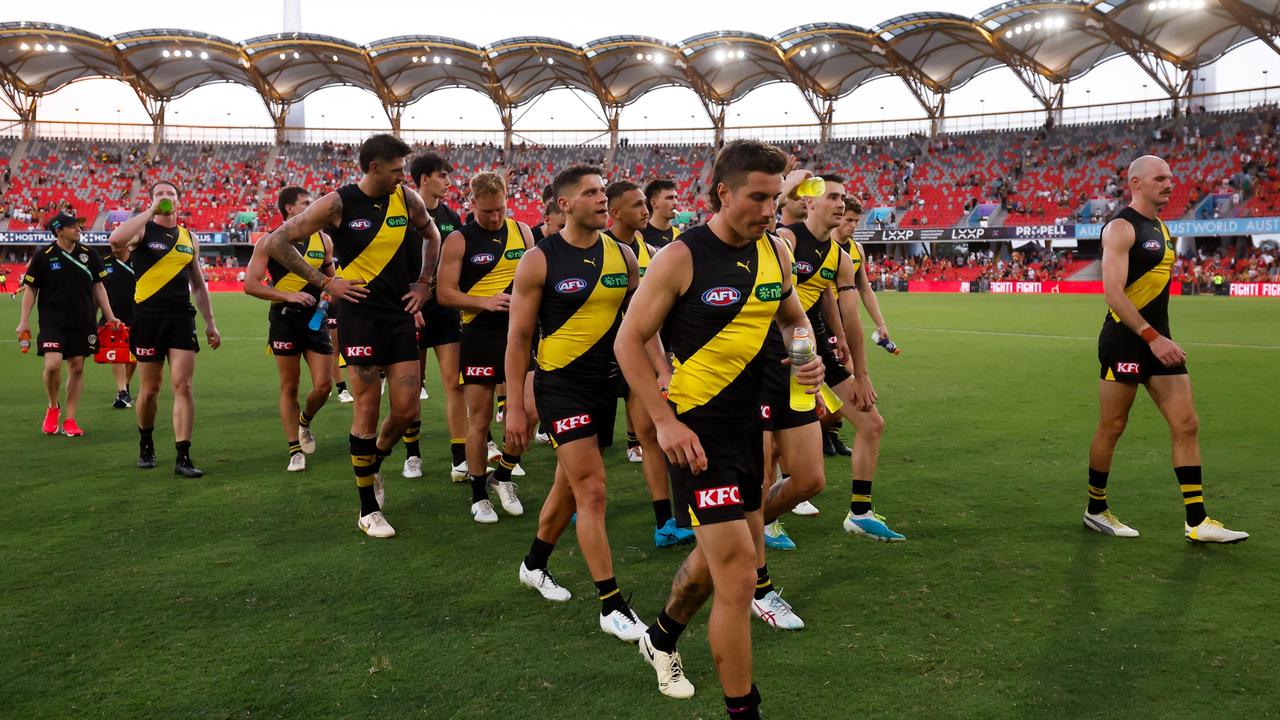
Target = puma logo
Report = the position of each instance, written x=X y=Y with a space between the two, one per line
x=589 y=261
x=744 y=266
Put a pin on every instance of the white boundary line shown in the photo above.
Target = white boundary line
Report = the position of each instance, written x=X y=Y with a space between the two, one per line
x=1078 y=337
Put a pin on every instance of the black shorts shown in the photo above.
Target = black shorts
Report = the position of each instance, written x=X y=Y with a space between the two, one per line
x=153 y=335
x=836 y=372
x=482 y=357
x=377 y=340
x=442 y=325
x=288 y=334
x=732 y=484
x=70 y=339
x=776 y=412
x=1128 y=359
x=572 y=411
x=330 y=322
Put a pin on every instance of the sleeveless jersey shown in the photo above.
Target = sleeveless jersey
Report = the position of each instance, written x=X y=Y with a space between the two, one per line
x=285 y=281
x=373 y=243
x=660 y=238
x=814 y=269
x=581 y=308
x=160 y=261
x=121 y=282
x=639 y=247
x=1147 y=285
x=717 y=328
x=488 y=268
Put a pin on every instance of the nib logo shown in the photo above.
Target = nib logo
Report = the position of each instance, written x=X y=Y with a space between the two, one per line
x=718 y=497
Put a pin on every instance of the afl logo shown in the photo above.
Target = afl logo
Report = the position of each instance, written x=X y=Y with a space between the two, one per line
x=570 y=286
x=721 y=296
x=482 y=258
x=1152 y=245
x=804 y=267
x=359 y=224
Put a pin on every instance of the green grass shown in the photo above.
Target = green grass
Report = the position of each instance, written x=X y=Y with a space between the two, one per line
x=251 y=594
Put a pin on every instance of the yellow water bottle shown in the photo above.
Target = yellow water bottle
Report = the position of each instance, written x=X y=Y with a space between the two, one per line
x=811 y=187
x=801 y=351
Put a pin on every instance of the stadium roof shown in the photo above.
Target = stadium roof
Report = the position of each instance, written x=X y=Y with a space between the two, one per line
x=1044 y=42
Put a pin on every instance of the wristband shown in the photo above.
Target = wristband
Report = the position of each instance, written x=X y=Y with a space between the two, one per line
x=325 y=284
x=1149 y=334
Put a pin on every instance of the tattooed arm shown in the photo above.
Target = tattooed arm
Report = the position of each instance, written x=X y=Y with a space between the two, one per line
x=323 y=213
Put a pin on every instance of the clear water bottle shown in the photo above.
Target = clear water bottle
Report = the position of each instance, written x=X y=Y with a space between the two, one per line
x=885 y=343
x=801 y=351
x=317 y=318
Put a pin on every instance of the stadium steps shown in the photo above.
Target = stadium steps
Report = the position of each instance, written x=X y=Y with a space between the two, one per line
x=1092 y=271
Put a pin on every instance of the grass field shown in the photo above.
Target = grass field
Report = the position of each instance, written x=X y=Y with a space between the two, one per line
x=251 y=594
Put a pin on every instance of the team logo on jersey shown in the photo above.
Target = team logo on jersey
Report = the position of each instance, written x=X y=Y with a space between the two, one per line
x=359 y=224
x=827 y=274
x=157 y=245
x=54 y=265
x=718 y=497
x=514 y=254
x=569 y=286
x=482 y=258
x=315 y=254
x=397 y=221
x=769 y=292
x=614 y=280
x=1152 y=244
x=93 y=339
x=803 y=268
x=84 y=257
x=721 y=296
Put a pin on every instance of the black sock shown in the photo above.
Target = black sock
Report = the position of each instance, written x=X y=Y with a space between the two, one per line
x=764 y=583
x=364 y=454
x=379 y=455
x=860 y=503
x=506 y=464
x=1097 y=491
x=539 y=554
x=1192 y=493
x=184 y=451
x=342 y=385
x=610 y=596
x=502 y=403
x=295 y=447
x=665 y=632
x=458 y=449
x=145 y=440
x=746 y=707
x=304 y=420
x=479 y=487
x=632 y=440
x=661 y=512
x=411 y=437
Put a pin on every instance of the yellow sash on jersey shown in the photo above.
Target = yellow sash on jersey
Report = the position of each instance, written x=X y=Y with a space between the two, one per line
x=854 y=255
x=810 y=291
x=166 y=268
x=642 y=254
x=370 y=262
x=581 y=332
x=314 y=255
x=1150 y=284
x=501 y=275
x=708 y=371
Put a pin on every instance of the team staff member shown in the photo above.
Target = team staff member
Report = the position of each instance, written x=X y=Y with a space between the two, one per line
x=715 y=291
x=166 y=257
x=441 y=327
x=1135 y=348
x=64 y=279
x=376 y=296
x=121 y=283
x=572 y=289
x=629 y=214
x=660 y=200
x=293 y=302
x=477 y=267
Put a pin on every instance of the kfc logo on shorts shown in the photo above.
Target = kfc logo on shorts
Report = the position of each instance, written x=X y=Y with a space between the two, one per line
x=571 y=423
x=281 y=345
x=482 y=258
x=358 y=351
x=359 y=224
x=50 y=345
x=1127 y=368
x=479 y=372
x=766 y=412
x=718 y=497
x=144 y=352
x=1152 y=245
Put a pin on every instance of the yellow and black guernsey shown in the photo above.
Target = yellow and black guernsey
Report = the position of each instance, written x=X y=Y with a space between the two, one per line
x=639 y=247
x=281 y=279
x=717 y=328
x=160 y=261
x=1147 y=285
x=581 y=310
x=373 y=243
x=813 y=271
x=488 y=267
x=660 y=238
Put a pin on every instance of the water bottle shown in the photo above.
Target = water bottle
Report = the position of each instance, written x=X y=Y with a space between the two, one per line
x=24 y=341
x=801 y=351
x=317 y=319
x=885 y=343
x=164 y=207
x=811 y=187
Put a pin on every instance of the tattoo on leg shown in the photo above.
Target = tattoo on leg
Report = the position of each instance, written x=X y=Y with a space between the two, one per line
x=687 y=595
x=368 y=374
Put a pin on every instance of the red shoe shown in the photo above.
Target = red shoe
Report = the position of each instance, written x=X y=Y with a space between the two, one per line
x=71 y=429
x=50 y=426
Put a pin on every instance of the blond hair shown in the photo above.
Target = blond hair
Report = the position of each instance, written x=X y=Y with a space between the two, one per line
x=488 y=183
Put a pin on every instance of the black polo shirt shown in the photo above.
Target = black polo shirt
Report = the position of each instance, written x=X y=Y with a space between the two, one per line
x=65 y=281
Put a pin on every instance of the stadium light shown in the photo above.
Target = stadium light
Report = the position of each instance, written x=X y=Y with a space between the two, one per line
x=24 y=47
x=204 y=55
x=295 y=55
x=164 y=53
x=436 y=59
x=414 y=59
x=62 y=48
x=742 y=54
x=282 y=56
x=448 y=61
x=639 y=56
x=187 y=53
x=719 y=54
x=39 y=47
x=551 y=61
x=335 y=58
x=659 y=59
